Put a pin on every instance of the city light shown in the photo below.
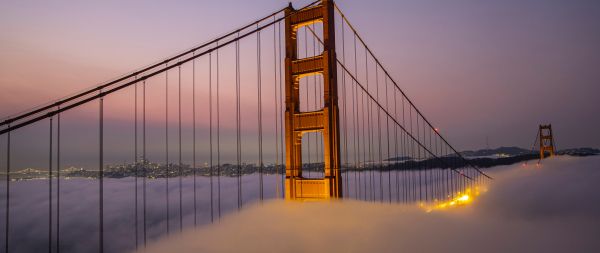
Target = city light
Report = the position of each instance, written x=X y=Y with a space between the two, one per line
x=460 y=199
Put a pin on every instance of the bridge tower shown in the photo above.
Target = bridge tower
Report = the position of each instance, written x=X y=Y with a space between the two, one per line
x=326 y=120
x=546 y=140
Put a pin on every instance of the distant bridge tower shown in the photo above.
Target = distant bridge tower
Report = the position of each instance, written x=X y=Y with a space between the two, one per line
x=326 y=120
x=546 y=140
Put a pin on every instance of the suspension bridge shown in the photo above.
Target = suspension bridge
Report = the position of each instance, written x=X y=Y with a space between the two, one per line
x=294 y=105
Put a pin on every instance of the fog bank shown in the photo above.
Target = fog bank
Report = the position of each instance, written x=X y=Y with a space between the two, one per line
x=551 y=208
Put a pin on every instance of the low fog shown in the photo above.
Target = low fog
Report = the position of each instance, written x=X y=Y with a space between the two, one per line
x=554 y=207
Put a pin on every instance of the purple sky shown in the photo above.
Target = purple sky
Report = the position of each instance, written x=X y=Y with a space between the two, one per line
x=475 y=68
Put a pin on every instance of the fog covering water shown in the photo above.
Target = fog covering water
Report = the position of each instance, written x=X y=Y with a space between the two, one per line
x=525 y=208
x=79 y=210
x=79 y=205
x=551 y=208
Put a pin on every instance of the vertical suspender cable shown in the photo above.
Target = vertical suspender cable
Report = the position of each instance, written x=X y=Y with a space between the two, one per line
x=396 y=146
x=413 y=156
x=237 y=89
x=410 y=142
x=369 y=133
x=379 y=135
x=180 y=162
x=427 y=169
x=50 y=190
x=237 y=113
x=58 y=183
x=7 y=223
x=387 y=127
x=406 y=151
x=452 y=176
x=144 y=159
x=356 y=136
x=419 y=155
x=101 y=167
x=167 y=146
x=362 y=121
x=210 y=131
x=345 y=103
x=218 y=141
x=276 y=108
x=281 y=138
x=135 y=160
x=441 y=171
x=194 y=168
x=424 y=162
x=239 y=125
x=260 y=146
x=447 y=172
x=435 y=179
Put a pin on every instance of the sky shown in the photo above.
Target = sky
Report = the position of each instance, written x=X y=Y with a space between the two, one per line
x=479 y=70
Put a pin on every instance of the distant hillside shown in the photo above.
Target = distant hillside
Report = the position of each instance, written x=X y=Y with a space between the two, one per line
x=399 y=158
x=516 y=151
x=505 y=152
x=501 y=151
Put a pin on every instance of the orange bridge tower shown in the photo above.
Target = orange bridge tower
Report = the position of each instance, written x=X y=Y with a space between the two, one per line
x=546 y=140
x=325 y=120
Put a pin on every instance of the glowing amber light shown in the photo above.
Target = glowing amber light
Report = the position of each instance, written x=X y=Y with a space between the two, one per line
x=461 y=199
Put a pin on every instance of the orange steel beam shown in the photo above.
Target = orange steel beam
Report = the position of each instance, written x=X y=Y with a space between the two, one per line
x=326 y=120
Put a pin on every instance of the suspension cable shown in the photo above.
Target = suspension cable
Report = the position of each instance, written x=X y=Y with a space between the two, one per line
x=344 y=103
x=50 y=188
x=276 y=108
x=237 y=120
x=379 y=136
x=194 y=166
x=389 y=115
x=58 y=183
x=260 y=137
x=144 y=159
x=141 y=71
x=101 y=175
x=135 y=159
x=7 y=220
x=210 y=126
x=281 y=110
x=218 y=140
x=107 y=91
x=344 y=18
x=180 y=162
x=167 y=147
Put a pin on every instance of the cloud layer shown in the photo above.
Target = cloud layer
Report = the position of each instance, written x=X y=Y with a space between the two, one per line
x=552 y=208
